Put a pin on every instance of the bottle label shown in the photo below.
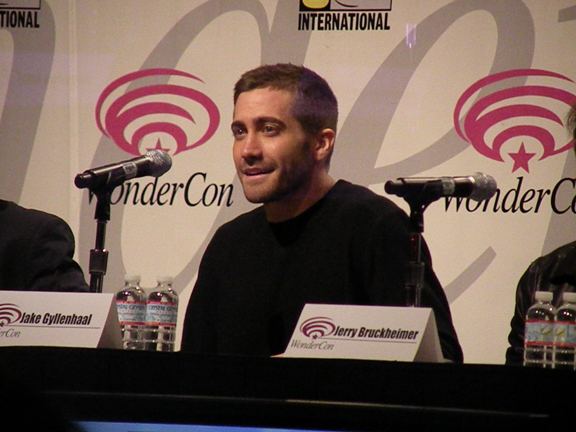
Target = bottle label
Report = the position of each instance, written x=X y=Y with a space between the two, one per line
x=164 y=314
x=539 y=332
x=565 y=334
x=131 y=313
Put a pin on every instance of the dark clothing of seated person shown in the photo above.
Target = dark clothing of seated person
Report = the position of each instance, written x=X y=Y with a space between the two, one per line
x=36 y=252
x=555 y=272
x=351 y=247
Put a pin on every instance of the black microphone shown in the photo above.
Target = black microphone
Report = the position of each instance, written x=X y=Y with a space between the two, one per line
x=478 y=187
x=154 y=163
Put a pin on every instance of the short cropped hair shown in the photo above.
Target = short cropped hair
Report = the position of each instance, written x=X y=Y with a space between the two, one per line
x=315 y=105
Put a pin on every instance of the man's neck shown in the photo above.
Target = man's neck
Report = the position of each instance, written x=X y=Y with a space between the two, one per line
x=284 y=210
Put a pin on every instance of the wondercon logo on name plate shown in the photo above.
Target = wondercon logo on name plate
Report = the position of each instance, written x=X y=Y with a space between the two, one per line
x=9 y=314
x=156 y=109
x=317 y=327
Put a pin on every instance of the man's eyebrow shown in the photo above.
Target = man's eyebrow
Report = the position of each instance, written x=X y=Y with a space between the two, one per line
x=263 y=120
x=259 y=121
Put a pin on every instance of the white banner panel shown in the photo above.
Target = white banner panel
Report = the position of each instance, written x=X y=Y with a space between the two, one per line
x=425 y=88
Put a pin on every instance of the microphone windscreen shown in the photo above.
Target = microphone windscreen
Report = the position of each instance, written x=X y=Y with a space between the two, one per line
x=485 y=187
x=161 y=162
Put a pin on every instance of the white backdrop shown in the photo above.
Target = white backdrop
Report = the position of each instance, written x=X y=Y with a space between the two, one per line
x=71 y=98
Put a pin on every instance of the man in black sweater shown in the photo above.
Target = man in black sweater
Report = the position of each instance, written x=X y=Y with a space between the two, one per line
x=314 y=239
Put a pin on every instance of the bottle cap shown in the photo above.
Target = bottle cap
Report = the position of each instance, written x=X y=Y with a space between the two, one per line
x=544 y=295
x=165 y=279
x=134 y=278
x=569 y=297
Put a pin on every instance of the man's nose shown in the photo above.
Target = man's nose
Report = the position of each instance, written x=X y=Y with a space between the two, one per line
x=251 y=148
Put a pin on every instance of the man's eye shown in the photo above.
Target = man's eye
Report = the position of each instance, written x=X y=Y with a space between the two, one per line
x=270 y=129
x=238 y=131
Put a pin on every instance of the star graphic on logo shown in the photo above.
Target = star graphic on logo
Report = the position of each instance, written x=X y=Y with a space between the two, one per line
x=521 y=159
x=159 y=147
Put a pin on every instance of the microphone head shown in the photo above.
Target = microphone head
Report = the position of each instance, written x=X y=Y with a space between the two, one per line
x=485 y=187
x=82 y=180
x=160 y=162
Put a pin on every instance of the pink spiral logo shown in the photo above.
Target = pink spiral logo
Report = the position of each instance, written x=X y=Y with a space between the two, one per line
x=9 y=313
x=317 y=327
x=174 y=117
x=522 y=118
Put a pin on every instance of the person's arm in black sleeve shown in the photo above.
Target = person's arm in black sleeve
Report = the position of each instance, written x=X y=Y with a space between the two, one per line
x=199 y=331
x=433 y=296
x=391 y=260
x=523 y=300
x=51 y=264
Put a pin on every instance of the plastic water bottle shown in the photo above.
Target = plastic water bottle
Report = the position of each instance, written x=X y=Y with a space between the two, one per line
x=539 y=331
x=131 y=307
x=565 y=333
x=161 y=316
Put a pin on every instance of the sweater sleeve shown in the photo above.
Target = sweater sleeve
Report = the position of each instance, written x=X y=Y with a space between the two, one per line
x=390 y=252
x=530 y=281
x=51 y=266
x=199 y=332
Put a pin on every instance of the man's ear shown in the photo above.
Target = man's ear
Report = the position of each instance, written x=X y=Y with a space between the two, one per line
x=324 y=144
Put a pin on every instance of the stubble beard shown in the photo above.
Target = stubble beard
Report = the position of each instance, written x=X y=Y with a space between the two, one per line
x=286 y=182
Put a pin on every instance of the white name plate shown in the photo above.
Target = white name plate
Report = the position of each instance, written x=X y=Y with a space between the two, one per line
x=366 y=332
x=33 y=318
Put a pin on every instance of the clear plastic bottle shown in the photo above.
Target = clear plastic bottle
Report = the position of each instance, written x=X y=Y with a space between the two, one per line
x=539 y=331
x=565 y=333
x=131 y=307
x=161 y=316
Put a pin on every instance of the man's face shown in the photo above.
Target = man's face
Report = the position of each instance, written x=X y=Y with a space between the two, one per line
x=272 y=154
